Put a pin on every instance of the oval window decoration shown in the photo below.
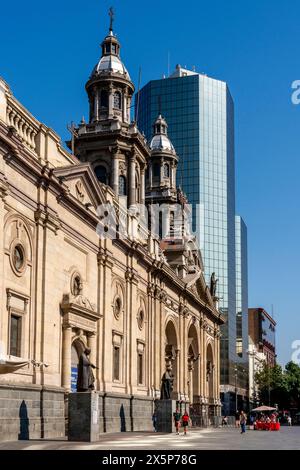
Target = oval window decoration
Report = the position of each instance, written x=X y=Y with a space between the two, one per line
x=117 y=307
x=18 y=258
x=141 y=319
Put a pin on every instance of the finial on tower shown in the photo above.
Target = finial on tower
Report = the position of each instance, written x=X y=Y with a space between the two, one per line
x=112 y=17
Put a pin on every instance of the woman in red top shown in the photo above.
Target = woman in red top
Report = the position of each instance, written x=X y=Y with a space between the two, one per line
x=185 y=421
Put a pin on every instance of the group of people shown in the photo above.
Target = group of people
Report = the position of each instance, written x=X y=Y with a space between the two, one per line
x=179 y=420
x=183 y=420
x=240 y=421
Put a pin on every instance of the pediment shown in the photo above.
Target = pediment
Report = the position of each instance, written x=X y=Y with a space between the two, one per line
x=199 y=287
x=82 y=184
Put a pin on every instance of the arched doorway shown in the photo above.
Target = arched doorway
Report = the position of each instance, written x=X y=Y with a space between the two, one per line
x=76 y=350
x=171 y=356
x=193 y=366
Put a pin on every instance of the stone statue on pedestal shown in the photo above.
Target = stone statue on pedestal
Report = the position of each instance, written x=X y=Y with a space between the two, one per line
x=213 y=285
x=167 y=384
x=85 y=378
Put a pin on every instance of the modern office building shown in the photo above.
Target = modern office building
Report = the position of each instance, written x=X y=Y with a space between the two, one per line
x=262 y=329
x=200 y=115
x=262 y=349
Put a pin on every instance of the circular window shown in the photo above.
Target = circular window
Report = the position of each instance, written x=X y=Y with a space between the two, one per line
x=141 y=319
x=76 y=285
x=18 y=258
x=117 y=307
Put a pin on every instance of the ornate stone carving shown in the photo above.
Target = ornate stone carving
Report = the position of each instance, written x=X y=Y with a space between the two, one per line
x=80 y=192
x=79 y=300
x=122 y=168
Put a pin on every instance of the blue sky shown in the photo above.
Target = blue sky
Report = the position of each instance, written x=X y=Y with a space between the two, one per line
x=47 y=53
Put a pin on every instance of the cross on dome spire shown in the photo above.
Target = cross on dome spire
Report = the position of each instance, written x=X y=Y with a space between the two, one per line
x=111 y=14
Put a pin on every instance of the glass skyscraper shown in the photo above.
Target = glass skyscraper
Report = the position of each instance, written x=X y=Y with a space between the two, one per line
x=200 y=114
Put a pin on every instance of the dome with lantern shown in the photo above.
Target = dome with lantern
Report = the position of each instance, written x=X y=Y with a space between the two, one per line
x=160 y=140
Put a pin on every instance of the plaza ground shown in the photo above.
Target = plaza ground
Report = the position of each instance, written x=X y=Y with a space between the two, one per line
x=288 y=438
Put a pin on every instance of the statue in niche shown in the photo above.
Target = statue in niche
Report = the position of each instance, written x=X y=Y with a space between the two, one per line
x=85 y=378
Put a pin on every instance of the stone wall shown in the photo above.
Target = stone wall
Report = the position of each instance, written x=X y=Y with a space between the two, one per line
x=120 y=413
x=31 y=412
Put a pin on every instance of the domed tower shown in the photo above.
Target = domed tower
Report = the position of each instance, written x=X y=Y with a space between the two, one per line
x=109 y=141
x=162 y=166
x=109 y=87
x=173 y=222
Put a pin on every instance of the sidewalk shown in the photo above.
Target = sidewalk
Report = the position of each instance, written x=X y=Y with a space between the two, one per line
x=217 y=439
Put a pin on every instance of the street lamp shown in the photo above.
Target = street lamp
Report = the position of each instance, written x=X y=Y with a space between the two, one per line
x=235 y=377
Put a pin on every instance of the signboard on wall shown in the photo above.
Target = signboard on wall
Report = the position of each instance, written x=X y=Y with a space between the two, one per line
x=74 y=373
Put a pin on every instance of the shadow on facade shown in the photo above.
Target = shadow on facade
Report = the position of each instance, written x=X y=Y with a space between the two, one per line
x=24 y=422
x=122 y=419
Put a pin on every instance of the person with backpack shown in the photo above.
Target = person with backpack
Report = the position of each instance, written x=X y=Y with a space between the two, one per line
x=177 y=417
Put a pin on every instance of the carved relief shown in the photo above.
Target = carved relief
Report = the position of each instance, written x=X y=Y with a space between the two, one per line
x=122 y=168
x=80 y=192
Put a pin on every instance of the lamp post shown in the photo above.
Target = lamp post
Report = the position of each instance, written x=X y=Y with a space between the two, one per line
x=235 y=377
x=269 y=388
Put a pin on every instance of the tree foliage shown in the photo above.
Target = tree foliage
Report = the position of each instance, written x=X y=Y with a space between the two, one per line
x=279 y=386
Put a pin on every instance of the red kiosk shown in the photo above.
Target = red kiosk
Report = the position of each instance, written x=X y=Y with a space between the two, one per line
x=266 y=425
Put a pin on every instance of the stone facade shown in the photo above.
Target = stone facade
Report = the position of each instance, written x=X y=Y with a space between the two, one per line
x=64 y=286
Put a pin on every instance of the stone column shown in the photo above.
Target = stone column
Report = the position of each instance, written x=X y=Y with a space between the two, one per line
x=124 y=104
x=201 y=359
x=96 y=106
x=142 y=201
x=92 y=344
x=110 y=102
x=150 y=176
x=215 y=367
x=115 y=174
x=66 y=357
x=173 y=175
x=181 y=356
x=190 y=378
x=131 y=189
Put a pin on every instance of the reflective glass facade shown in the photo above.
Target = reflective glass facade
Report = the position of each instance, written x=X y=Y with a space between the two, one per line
x=200 y=114
x=241 y=298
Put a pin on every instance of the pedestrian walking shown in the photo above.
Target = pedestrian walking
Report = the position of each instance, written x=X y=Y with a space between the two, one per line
x=185 y=422
x=224 y=421
x=289 y=420
x=177 y=417
x=243 y=422
x=237 y=419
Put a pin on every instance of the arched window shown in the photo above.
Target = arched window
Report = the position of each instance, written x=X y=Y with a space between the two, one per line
x=104 y=99
x=166 y=170
x=117 y=100
x=156 y=170
x=101 y=174
x=122 y=185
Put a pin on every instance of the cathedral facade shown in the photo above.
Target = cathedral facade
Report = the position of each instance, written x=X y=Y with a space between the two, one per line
x=82 y=266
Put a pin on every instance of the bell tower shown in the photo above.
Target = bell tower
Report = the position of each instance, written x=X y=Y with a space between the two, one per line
x=112 y=143
x=162 y=166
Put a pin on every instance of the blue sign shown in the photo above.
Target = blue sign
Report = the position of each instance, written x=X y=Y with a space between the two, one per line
x=74 y=374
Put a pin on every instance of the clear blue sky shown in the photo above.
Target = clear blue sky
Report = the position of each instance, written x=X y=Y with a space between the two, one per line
x=47 y=52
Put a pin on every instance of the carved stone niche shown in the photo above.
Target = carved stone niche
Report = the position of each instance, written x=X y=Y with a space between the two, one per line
x=79 y=312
